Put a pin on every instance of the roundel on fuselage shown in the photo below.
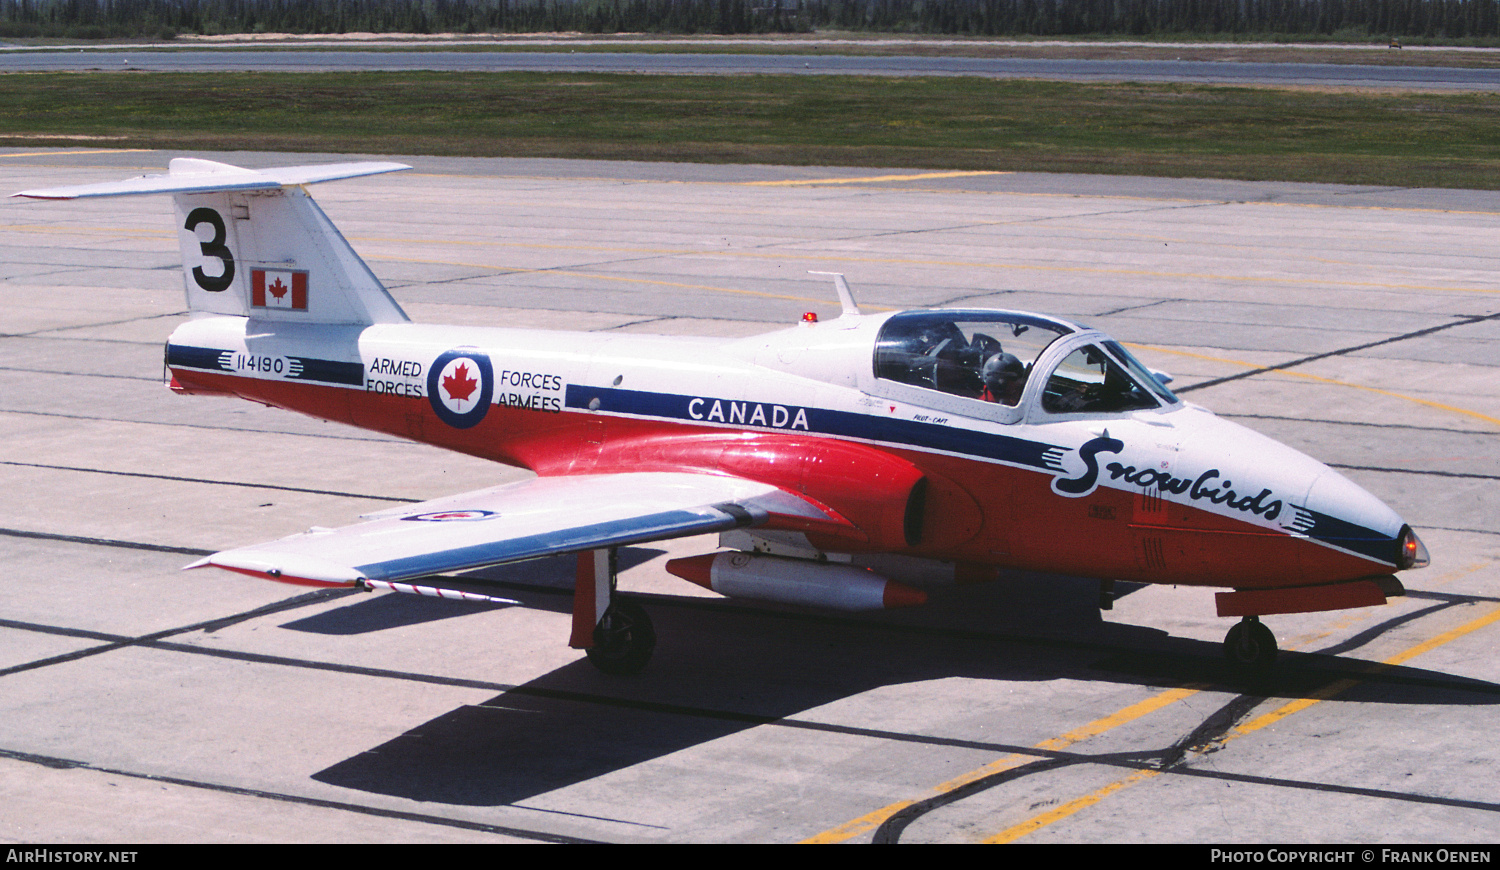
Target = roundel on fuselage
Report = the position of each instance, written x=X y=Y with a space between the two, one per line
x=460 y=384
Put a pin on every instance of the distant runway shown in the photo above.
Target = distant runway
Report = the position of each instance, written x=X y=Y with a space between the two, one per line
x=141 y=703
x=1204 y=72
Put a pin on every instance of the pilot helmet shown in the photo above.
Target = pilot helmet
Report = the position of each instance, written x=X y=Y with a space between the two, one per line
x=1001 y=369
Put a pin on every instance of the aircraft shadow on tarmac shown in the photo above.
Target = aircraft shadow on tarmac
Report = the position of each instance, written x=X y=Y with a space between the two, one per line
x=721 y=668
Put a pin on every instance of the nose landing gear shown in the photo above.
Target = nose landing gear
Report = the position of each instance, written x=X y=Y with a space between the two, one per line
x=1251 y=647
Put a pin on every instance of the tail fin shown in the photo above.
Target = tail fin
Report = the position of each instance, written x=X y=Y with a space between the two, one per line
x=255 y=244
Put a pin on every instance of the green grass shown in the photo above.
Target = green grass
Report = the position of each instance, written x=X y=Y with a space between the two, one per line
x=1438 y=140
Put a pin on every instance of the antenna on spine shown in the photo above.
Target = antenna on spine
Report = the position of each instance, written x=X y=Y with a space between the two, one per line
x=846 y=297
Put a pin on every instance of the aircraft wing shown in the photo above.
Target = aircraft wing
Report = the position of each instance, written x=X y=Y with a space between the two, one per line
x=539 y=517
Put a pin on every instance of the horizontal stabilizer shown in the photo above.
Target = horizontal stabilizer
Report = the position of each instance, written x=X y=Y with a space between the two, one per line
x=191 y=175
x=254 y=244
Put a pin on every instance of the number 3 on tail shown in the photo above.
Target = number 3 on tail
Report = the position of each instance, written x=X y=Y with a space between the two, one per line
x=214 y=247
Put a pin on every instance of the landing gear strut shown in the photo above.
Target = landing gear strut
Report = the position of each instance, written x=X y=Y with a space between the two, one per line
x=615 y=633
x=1250 y=646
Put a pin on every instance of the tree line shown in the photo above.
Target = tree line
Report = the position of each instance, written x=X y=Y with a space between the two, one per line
x=1446 y=20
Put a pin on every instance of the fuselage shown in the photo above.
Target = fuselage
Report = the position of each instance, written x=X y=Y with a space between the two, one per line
x=913 y=459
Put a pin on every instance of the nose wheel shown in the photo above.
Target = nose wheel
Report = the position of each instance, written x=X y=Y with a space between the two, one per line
x=1250 y=646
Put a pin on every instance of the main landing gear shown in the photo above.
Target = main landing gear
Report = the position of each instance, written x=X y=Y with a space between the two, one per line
x=615 y=633
x=623 y=639
x=1251 y=647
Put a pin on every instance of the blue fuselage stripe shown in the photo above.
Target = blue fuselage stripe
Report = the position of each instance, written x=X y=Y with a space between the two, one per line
x=819 y=421
x=300 y=368
x=1354 y=538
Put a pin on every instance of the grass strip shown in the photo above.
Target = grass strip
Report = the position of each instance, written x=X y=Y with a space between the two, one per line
x=1400 y=139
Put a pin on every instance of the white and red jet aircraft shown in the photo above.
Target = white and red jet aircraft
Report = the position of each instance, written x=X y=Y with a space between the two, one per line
x=843 y=463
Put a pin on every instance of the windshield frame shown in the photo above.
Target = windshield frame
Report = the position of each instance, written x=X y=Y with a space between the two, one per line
x=1125 y=367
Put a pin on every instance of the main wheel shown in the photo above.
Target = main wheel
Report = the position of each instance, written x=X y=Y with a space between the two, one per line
x=623 y=639
x=1250 y=646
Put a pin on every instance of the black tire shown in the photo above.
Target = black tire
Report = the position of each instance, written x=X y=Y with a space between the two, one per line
x=1251 y=647
x=623 y=640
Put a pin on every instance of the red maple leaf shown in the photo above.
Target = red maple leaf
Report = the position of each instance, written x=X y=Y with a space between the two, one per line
x=459 y=385
x=278 y=289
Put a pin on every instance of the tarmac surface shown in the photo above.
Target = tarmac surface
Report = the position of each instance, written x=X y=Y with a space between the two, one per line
x=142 y=704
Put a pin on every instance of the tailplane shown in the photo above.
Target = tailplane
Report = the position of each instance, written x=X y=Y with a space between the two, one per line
x=254 y=244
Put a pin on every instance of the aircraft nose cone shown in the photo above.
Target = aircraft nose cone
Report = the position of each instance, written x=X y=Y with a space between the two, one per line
x=1336 y=495
x=1341 y=513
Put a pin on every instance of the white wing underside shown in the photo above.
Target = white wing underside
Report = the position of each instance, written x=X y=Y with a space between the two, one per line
x=539 y=517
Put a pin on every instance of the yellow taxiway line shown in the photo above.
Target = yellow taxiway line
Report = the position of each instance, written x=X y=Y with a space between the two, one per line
x=873 y=820
x=1454 y=409
x=1331 y=690
x=869 y=179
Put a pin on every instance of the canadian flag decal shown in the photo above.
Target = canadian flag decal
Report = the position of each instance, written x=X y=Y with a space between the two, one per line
x=278 y=288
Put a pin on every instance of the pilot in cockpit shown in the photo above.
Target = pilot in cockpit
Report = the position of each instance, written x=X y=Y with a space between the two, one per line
x=961 y=356
x=1004 y=378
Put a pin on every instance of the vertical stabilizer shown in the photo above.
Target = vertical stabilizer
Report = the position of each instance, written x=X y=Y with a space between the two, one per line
x=254 y=244
x=274 y=254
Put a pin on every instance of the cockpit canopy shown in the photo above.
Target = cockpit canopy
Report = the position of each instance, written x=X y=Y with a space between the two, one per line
x=1003 y=358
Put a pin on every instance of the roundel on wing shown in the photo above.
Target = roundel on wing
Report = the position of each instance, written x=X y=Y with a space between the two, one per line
x=455 y=516
x=459 y=386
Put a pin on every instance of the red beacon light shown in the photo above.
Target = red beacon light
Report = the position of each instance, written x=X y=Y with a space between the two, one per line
x=809 y=317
